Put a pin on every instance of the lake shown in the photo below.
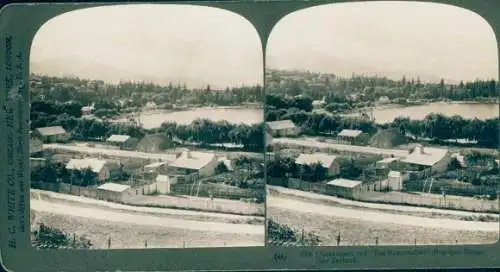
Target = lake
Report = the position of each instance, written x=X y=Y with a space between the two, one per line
x=232 y=115
x=466 y=110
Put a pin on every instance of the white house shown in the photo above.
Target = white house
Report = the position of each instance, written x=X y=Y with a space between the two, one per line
x=282 y=128
x=192 y=165
x=87 y=110
x=99 y=167
x=326 y=160
x=113 y=191
x=433 y=160
x=344 y=187
x=227 y=162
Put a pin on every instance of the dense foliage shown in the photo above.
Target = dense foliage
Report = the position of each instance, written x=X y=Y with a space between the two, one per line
x=46 y=237
x=283 y=235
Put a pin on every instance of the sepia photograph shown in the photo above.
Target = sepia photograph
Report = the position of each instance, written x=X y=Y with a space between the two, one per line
x=382 y=126
x=147 y=129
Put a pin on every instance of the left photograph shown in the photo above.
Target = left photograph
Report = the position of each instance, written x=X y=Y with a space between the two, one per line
x=147 y=129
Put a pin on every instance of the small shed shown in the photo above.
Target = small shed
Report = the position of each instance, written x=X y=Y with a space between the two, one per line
x=282 y=128
x=385 y=163
x=123 y=141
x=344 y=188
x=353 y=136
x=395 y=180
x=53 y=134
x=113 y=192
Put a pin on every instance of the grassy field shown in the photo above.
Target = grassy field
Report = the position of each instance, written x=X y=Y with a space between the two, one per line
x=125 y=235
x=360 y=232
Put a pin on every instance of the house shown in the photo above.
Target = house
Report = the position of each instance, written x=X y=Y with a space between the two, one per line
x=163 y=183
x=395 y=180
x=282 y=128
x=327 y=161
x=384 y=100
x=344 y=188
x=150 y=143
x=429 y=159
x=353 y=136
x=227 y=162
x=123 y=141
x=53 y=134
x=191 y=165
x=385 y=163
x=113 y=192
x=99 y=167
x=460 y=159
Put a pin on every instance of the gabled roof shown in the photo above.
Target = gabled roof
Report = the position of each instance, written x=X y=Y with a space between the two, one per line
x=118 y=138
x=193 y=160
x=283 y=124
x=50 y=131
x=350 y=133
x=427 y=156
x=114 y=187
x=388 y=160
x=155 y=164
x=80 y=164
x=326 y=160
x=346 y=183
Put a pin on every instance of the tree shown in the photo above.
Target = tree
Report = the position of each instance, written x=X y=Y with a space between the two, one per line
x=52 y=238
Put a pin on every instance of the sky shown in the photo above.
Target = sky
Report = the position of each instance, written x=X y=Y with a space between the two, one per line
x=196 y=45
x=432 y=41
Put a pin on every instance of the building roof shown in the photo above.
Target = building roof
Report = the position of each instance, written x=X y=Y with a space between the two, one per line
x=162 y=178
x=80 y=164
x=283 y=124
x=326 y=160
x=192 y=160
x=427 y=156
x=155 y=164
x=388 y=160
x=394 y=174
x=118 y=138
x=50 y=131
x=350 y=133
x=347 y=183
x=114 y=187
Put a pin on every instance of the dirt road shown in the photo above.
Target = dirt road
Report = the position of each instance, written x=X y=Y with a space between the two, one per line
x=313 y=196
x=376 y=216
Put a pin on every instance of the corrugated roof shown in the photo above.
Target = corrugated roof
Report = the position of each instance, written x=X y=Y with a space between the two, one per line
x=350 y=133
x=114 y=187
x=80 y=164
x=50 y=131
x=155 y=165
x=193 y=160
x=388 y=160
x=118 y=138
x=347 y=183
x=283 y=124
x=326 y=160
x=429 y=157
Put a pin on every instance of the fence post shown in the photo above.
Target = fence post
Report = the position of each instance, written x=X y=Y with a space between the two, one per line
x=146 y=244
x=74 y=240
x=338 y=239
x=415 y=241
x=376 y=240
x=109 y=242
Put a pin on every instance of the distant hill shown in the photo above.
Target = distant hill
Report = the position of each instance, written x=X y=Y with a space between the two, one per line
x=89 y=69
x=323 y=63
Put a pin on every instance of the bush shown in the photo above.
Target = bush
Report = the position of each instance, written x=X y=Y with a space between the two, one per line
x=52 y=238
x=283 y=235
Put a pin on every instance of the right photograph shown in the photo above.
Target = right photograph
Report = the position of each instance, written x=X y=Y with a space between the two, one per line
x=382 y=124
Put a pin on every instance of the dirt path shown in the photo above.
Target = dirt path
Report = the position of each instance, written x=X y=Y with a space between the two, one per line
x=378 y=217
x=308 y=195
x=125 y=217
